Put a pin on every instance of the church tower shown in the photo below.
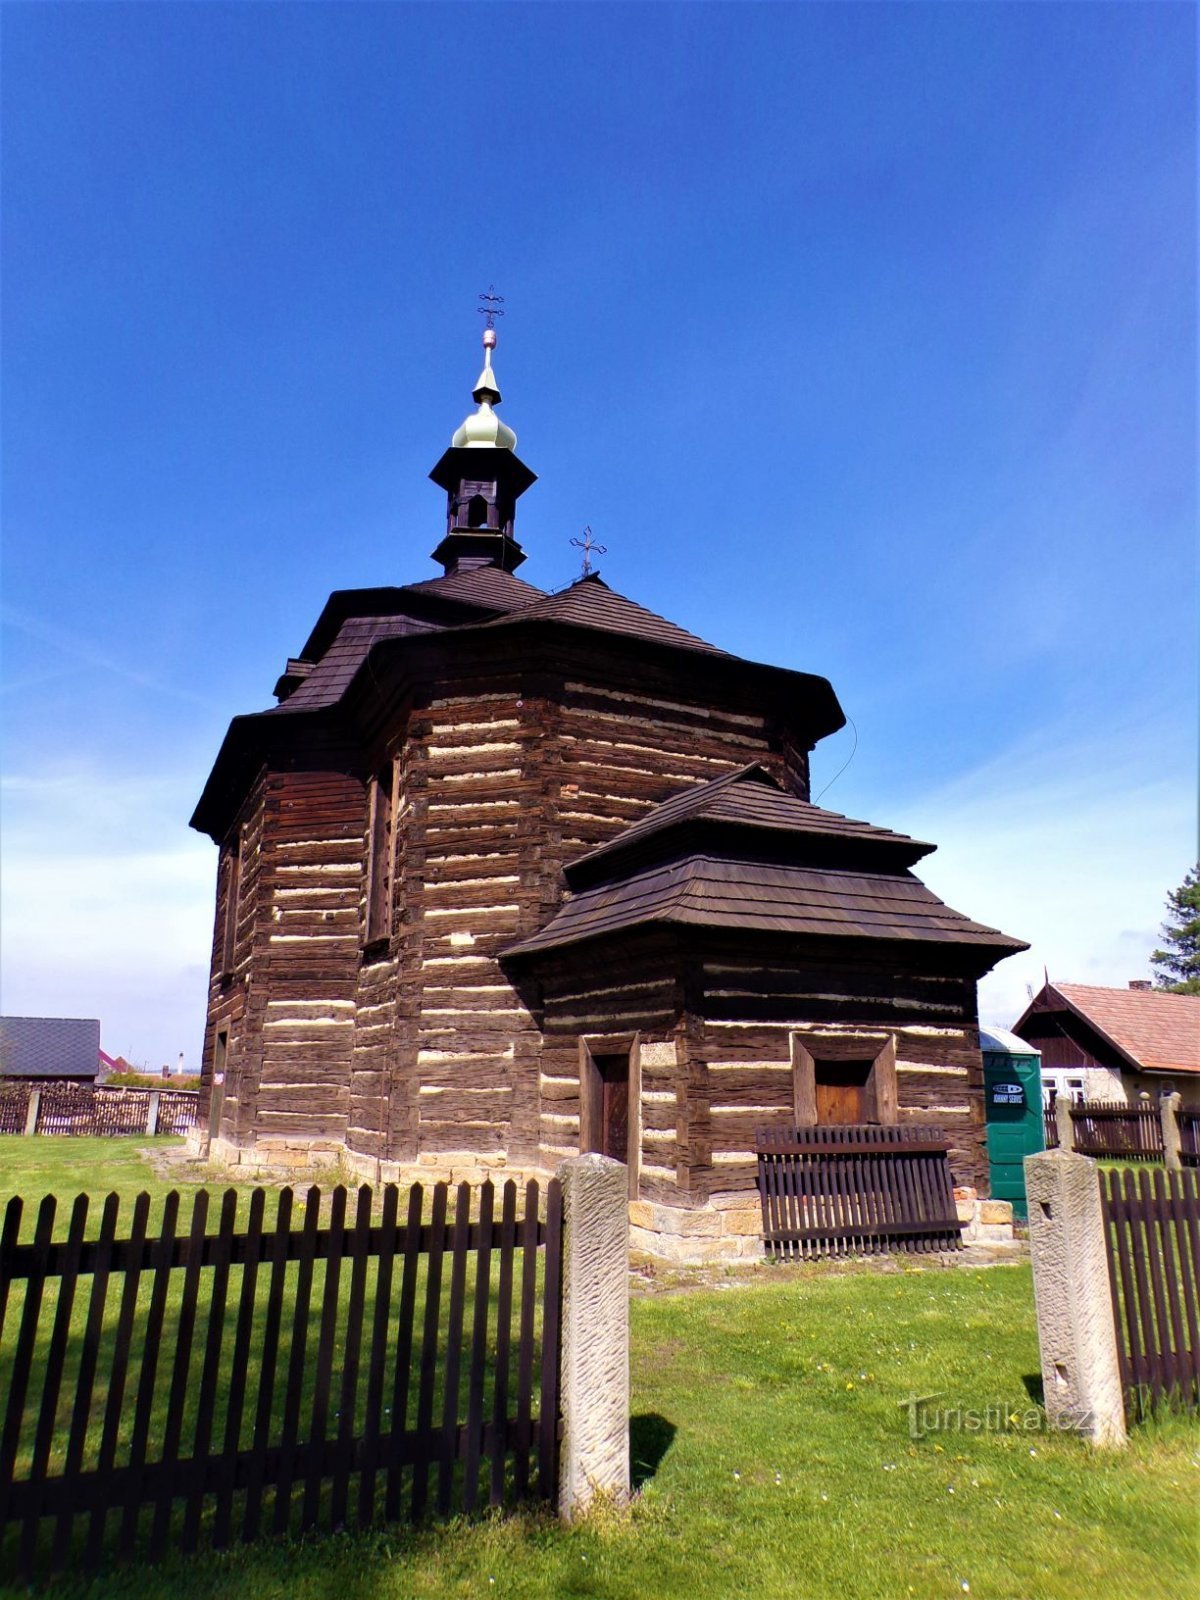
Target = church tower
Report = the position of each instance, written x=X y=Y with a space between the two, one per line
x=508 y=874
x=483 y=478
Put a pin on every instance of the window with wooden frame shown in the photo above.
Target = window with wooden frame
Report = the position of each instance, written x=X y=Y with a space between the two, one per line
x=380 y=855
x=844 y=1079
x=610 y=1100
x=232 y=868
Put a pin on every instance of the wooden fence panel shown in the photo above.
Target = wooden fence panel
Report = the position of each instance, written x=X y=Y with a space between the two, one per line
x=157 y=1380
x=87 y=1110
x=1189 y=1138
x=14 y=1107
x=1153 y=1226
x=1117 y=1131
x=856 y=1190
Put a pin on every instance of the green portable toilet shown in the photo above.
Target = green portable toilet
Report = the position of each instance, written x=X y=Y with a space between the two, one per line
x=1012 y=1089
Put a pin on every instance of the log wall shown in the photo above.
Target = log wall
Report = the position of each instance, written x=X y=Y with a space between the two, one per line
x=740 y=1048
x=418 y=1047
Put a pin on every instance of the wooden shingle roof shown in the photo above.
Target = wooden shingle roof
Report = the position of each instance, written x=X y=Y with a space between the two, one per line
x=750 y=798
x=590 y=603
x=332 y=674
x=656 y=872
x=708 y=891
x=491 y=587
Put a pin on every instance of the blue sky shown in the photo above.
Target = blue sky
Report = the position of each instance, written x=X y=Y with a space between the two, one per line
x=863 y=336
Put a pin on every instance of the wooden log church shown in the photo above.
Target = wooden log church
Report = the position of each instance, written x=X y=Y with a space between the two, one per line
x=505 y=875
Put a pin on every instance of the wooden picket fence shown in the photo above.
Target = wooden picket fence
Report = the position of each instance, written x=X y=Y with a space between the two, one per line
x=855 y=1190
x=1189 y=1138
x=1116 y=1131
x=1153 y=1226
x=1111 y=1130
x=189 y=1383
x=85 y=1109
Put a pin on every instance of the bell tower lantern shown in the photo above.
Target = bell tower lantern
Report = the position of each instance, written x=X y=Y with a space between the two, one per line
x=483 y=478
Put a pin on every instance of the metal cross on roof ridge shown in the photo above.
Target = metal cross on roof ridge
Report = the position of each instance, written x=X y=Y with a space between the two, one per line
x=587 y=545
x=492 y=303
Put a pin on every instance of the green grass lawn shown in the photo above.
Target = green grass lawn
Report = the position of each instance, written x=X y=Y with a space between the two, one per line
x=774 y=1456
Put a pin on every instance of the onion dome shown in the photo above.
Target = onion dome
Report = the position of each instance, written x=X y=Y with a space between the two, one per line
x=483 y=430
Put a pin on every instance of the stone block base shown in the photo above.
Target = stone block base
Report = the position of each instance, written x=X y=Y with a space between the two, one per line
x=987 y=1221
x=714 y=1232
x=727 y=1228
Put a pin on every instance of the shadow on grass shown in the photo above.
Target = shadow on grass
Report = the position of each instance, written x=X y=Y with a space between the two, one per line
x=1033 y=1388
x=650 y=1437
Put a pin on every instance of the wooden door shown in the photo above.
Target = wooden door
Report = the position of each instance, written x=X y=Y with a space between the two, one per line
x=613 y=1130
x=843 y=1092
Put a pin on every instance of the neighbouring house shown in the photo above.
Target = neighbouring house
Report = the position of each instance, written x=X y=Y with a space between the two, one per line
x=50 y=1047
x=505 y=875
x=1115 y=1044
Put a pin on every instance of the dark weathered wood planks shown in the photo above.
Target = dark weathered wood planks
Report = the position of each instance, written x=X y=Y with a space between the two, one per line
x=274 y=1368
x=855 y=1190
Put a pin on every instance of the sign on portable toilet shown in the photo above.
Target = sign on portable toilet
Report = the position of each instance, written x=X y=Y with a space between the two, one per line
x=1012 y=1090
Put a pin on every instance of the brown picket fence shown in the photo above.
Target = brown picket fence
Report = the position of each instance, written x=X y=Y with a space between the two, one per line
x=1116 y=1131
x=1189 y=1138
x=14 y=1107
x=854 y=1190
x=1153 y=1228
x=1112 y=1130
x=88 y=1110
x=189 y=1384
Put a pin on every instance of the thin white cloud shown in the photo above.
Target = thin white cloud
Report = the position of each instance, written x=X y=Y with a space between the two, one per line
x=1070 y=842
x=106 y=907
x=61 y=643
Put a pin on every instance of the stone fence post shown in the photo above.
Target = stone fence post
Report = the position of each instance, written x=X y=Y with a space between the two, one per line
x=1077 y=1337
x=152 y=1112
x=595 y=1333
x=1064 y=1122
x=32 y=1110
x=1168 y=1114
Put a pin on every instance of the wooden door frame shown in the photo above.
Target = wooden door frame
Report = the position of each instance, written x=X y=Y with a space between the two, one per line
x=876 y=1046
x=591 y=1097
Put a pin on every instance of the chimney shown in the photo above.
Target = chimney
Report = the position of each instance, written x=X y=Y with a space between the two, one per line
x=1140 y=983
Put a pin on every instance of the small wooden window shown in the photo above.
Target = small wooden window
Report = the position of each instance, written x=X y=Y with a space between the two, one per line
x=229 y=924
x=844 y=1079
x=477 y=512
x=380 y=854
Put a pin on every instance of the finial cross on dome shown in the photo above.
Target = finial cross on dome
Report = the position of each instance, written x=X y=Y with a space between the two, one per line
x=490 y=308
x=589 y=546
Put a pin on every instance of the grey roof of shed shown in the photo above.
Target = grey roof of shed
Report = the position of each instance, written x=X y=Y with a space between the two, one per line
x=49 y=1047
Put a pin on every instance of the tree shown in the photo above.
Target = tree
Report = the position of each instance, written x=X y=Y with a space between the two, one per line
x=1178 y=964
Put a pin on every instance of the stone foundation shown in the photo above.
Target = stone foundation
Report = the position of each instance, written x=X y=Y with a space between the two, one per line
x=987 y=1221
x=281 y=1157
x=729 y=1230
x=726 y=1228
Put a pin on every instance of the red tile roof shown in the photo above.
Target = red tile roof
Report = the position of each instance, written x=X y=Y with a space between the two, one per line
x=1157 y=1030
